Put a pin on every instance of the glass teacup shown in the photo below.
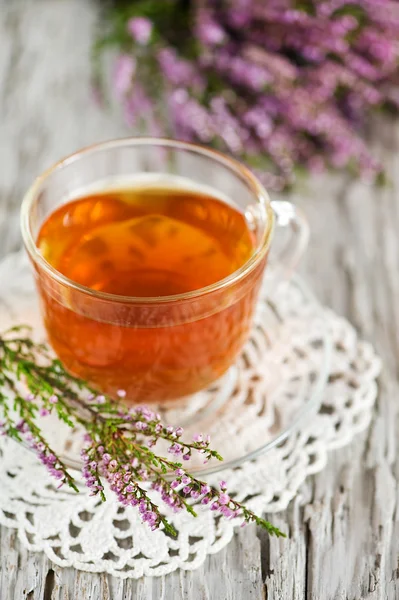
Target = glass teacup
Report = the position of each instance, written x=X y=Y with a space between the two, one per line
x=155 y=348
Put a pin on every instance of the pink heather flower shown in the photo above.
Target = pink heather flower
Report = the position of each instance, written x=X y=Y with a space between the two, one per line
x=175 y=449
x=209 y=32
x=140 y=29
x=148 y=414
x=198 y=437
x=43 y=412
x=222 y=485
x=53 y=399
x=224 y=499
x=30 y=397
x=100 y=399
x=21 y=425
x=121 y=393
x=226 y=511
x=240 y=18
x=143 y=474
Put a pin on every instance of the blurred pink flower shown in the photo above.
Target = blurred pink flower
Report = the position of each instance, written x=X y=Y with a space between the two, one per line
x=209 y=32
x=124 y=70
x=280 y=83
x=140 y=28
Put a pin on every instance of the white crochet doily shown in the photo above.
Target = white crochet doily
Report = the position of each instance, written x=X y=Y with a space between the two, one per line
x=273 y=404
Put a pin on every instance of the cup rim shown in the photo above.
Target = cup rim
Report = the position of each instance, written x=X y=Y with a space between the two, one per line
x=234 y=165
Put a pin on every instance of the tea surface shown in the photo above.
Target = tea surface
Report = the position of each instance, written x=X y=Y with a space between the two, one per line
x=150 y=241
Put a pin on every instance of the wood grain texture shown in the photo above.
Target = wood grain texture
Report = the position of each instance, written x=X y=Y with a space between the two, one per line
x=344 y=525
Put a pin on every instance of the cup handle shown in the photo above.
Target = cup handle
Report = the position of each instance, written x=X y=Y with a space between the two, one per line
x=287 y=256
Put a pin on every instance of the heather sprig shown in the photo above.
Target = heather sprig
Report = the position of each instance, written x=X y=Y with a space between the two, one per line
x=118 y=441
x=285 y=86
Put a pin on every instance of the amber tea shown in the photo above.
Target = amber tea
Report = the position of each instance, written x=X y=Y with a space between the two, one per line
x=146 y=242
x=150 y=243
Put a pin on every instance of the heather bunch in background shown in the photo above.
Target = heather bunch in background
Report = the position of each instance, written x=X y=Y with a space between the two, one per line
x=284 y=85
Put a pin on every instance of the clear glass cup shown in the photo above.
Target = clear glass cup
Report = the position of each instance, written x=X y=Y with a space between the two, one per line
x=157 y=348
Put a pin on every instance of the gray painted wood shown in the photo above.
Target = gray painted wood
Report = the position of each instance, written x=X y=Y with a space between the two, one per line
x=344 y=528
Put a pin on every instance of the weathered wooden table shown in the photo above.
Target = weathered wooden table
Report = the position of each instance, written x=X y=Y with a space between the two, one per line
x=344 y=530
